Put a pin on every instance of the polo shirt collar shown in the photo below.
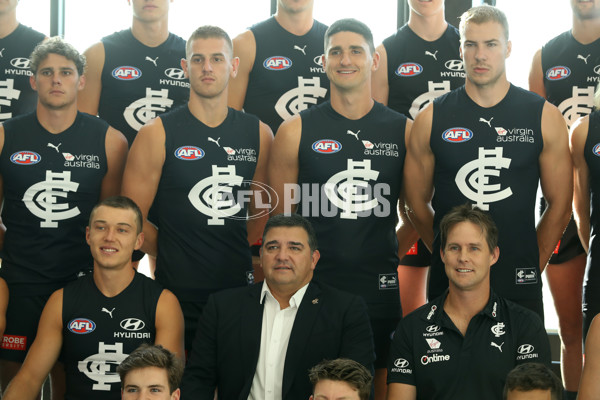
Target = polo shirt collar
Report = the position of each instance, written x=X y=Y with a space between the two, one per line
x=434 y=310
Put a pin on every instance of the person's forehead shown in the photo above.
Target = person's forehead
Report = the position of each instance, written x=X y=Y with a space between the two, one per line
x=287 y=234
x=485 y=30
x=53 y=59
x=147 y=376
x=113 y=214
x=347 y=38
x=210 y=45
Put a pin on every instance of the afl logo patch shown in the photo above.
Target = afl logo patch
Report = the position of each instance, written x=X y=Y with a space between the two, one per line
x=81 y=326
x=25 y=158
x=277 y=63
x=596 y=150
x=327 y=146
x=189 y=153
x=557 y=73
x=457 y=135
x=126 y=73
x=409 y=69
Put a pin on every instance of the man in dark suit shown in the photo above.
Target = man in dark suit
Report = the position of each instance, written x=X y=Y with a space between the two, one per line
x=259 y=342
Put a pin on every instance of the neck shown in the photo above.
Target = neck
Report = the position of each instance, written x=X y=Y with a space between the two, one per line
x=428 y=28
x=111 y=282
x=352 y=104
x=211 y=112
x=297 y=23
x=8 y=23
x=56 y=121
x=489 y=95
x=462 y=305
x=151 y=34
x=586 y=31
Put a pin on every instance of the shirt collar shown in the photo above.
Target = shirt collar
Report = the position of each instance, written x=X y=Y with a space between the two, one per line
x=433 y=311
x=295 y=301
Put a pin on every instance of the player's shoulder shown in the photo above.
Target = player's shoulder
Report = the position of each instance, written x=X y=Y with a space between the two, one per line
x=519 y=316
x=559 y=40
x=115 y=37
x=263 y=26
x=24 y=31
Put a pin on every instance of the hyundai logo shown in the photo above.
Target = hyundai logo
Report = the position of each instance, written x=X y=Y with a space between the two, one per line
x=454 y=65
x=22 y=63
x=132 y=324
x=432 y=328
x=401 y=363
x=175 y=73
x=525 y=349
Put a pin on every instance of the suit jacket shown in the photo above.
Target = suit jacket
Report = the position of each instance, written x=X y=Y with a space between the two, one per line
x=329 y=324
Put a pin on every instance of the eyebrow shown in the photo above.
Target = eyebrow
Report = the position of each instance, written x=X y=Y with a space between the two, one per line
x=204 y=55
x=289 y=243
x=101 y=221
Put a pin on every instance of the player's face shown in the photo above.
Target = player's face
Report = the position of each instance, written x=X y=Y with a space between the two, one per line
x=150 y=10
x=484 y=50
x=537 y=394
x=8 y=6
x=209 y=67
x=586 y=9
x=57 y=82
x=426 y=8
x=467 y=257
x=286 y=258
x=112 y=236
x=330 y=390
x=294 y=6
x=149 y=383
x=348 y=61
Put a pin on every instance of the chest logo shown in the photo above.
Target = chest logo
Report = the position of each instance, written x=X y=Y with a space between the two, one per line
x=596 y=150
x=557 y=73
x=189 y=153
x=20 y=62
x=409 y=69
x=81 y=326
x=498 y=346
x=175 y=73
x=580 y=57
x=152 y=60
x=473 y=179
x=25 y=158
x=143 y=110
x=498 y=329
x=308 y=92
x=578 y=105
x=301 y=49
x=327 y=146
x=126 y=73
x=434 y=55
x=109 y=312
x=457 y=135
x=102 y=367
x=132 y=324
x=454 y=65
x=277 y=63
x=434 y=90
x=349 y=132
x=42 y=199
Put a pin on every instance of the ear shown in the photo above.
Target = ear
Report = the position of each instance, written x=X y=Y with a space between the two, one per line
x=176 y=394
x=184 y=67
x=508 y=48
x=460 y=51
x=139 y=241
x=315 y=258
x=81 y=82
x=32 y=82
x=376 y=59
x=87 y=234
x=235 y=65
x=495 y=255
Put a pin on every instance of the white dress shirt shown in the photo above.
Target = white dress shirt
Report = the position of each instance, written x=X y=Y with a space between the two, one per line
x=275 y=336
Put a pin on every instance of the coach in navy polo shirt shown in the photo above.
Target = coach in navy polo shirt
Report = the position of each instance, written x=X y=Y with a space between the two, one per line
x=462 y=344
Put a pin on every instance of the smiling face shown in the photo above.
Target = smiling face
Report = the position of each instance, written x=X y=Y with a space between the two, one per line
x=467 y=257
x=112 y=236
x=57 y=82
x=286 y=258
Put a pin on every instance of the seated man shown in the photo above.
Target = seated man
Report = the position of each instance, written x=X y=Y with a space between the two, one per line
x=462 y=344
x=96 y=321
x=340 y=379
x=150 y=371
x=532 y=381
x=259 y=341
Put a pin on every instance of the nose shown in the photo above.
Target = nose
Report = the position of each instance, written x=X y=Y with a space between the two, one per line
x=345 y=58
x=480 y=53
x=207 y=66
x=110 y=234
x=282 y=254
x=56 y=78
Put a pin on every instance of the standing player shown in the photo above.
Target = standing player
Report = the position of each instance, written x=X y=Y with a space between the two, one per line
x=340 y=165
x=280 y=71
x=564 y=72
x=16 y=44
x=197 y=162
x=418 y=63
x=96 y=321
x=134 y=75
x=55 y=164
x=488 y=143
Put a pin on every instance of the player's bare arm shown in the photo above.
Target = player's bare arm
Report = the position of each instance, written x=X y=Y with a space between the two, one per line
x=581 y=182
x=42 y=355
x=3 y=305
x=244 y=47
x=255 y=226
x=406 y=233
x=418 y=176
x=556 y=178
x=380 y=88
x=536 y=75
x=142 y=175
x=116 y=155
x=401 y=391
x=169 y=324
x=283 y=162
x=89 y=98
x=589 y=388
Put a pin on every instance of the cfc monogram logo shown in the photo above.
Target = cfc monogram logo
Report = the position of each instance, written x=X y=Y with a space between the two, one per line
x=97 y=367
x=143 y=110
x=473 y=178
x=346 y=189
x=213 y=196
x=298 y=99
x=579 y=105
x=434 y=90
x=7 y=94
x=42 y=198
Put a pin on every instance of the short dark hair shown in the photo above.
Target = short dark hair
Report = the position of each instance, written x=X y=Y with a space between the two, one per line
x=207 y=32
x=532 y=376
x=468 y=213
x=124 y=203
x=350 y=25
x=148 y=355
x=480 y=15
x=345 y=370
x=55 y=45
x=291 y=221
